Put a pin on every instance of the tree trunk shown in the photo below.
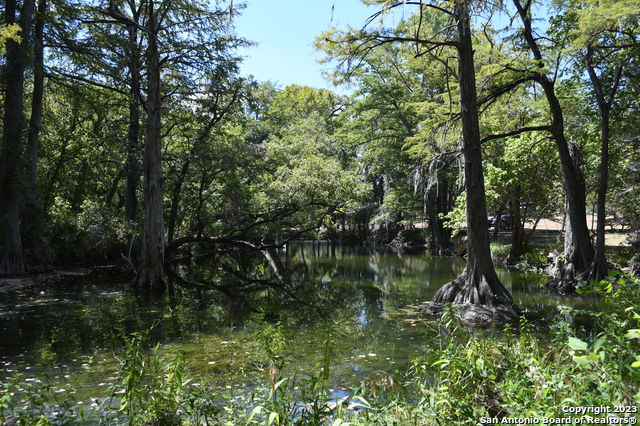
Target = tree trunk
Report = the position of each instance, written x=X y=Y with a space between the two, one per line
x=35 y=123
x=151 y=274
x=517 y=229
x=11 y=173
x=477 y=294
x=115 y=183
x=496 y=226
x=133 y=133
x=175 y=199
x=579 y=253
x=436 y=206
x=600 y=266
x=31 y=216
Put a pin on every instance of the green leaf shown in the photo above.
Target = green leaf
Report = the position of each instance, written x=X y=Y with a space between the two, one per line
x=362 y=404
x=444 y=363
x=599 y=343
x=277 y=385
x=577 y=344
x=582 y=362
x=255 y=411
x=636 y=364
x=593 y=357
x=273 y=417
x=634 y=333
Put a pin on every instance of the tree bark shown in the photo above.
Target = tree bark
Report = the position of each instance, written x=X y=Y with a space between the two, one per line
x=78 y=192
x=35 y=122
x=600 y=266
x=151 y=274
x=477 y=294
x=32 y=214
x=578 y=255
x=175 y=199
x=11 y=173
x=438 y=204
x=133 y=133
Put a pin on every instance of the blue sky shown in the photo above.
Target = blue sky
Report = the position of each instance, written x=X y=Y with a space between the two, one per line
x=284 y=31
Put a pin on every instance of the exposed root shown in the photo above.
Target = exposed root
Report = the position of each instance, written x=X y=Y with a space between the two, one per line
x=566 y=276
x=153 y=279
x=476 y=301
x=12 y=263
x=599 y=268
x=476 y=315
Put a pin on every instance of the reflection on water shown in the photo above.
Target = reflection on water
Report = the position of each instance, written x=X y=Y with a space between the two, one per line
x=362 y=291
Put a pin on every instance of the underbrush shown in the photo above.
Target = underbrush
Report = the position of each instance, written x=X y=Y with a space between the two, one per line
x=534 y=257
x=463 y=377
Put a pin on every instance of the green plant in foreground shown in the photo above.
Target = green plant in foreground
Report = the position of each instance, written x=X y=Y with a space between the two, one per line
x=291 y=400
x=35 y=400
x=519 y=373
x=461 y=377
x=150 y=386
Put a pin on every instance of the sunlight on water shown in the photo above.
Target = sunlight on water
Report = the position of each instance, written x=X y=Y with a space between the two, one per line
x=81 y=322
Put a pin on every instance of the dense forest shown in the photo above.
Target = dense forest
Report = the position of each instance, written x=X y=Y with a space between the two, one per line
x=502 y=135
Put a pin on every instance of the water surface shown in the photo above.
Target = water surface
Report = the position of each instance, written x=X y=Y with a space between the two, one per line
x=77 y=323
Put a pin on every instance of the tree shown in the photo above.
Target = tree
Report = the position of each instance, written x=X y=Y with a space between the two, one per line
x=479 y=285
x=151 y=270
x=223 y=97
x=273 y=184
x=578 y=251
x=11 y=173
x=603 y=33
x=32 y=215
x=189 y=33
x=93 y=50
x=477 y=293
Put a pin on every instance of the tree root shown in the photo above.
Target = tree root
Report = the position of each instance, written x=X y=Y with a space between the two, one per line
x=153 y=279
x=566 y=276
x=12 y=263
x=475 y=302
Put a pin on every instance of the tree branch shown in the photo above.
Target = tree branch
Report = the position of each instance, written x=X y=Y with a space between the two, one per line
x=515 y=132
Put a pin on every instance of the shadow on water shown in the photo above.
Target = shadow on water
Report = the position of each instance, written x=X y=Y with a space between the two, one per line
x=82 y=322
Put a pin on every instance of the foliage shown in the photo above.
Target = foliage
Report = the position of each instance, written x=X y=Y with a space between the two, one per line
x=36 y=400
x=150 y=386
x=519 y=374
x=9 y=32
